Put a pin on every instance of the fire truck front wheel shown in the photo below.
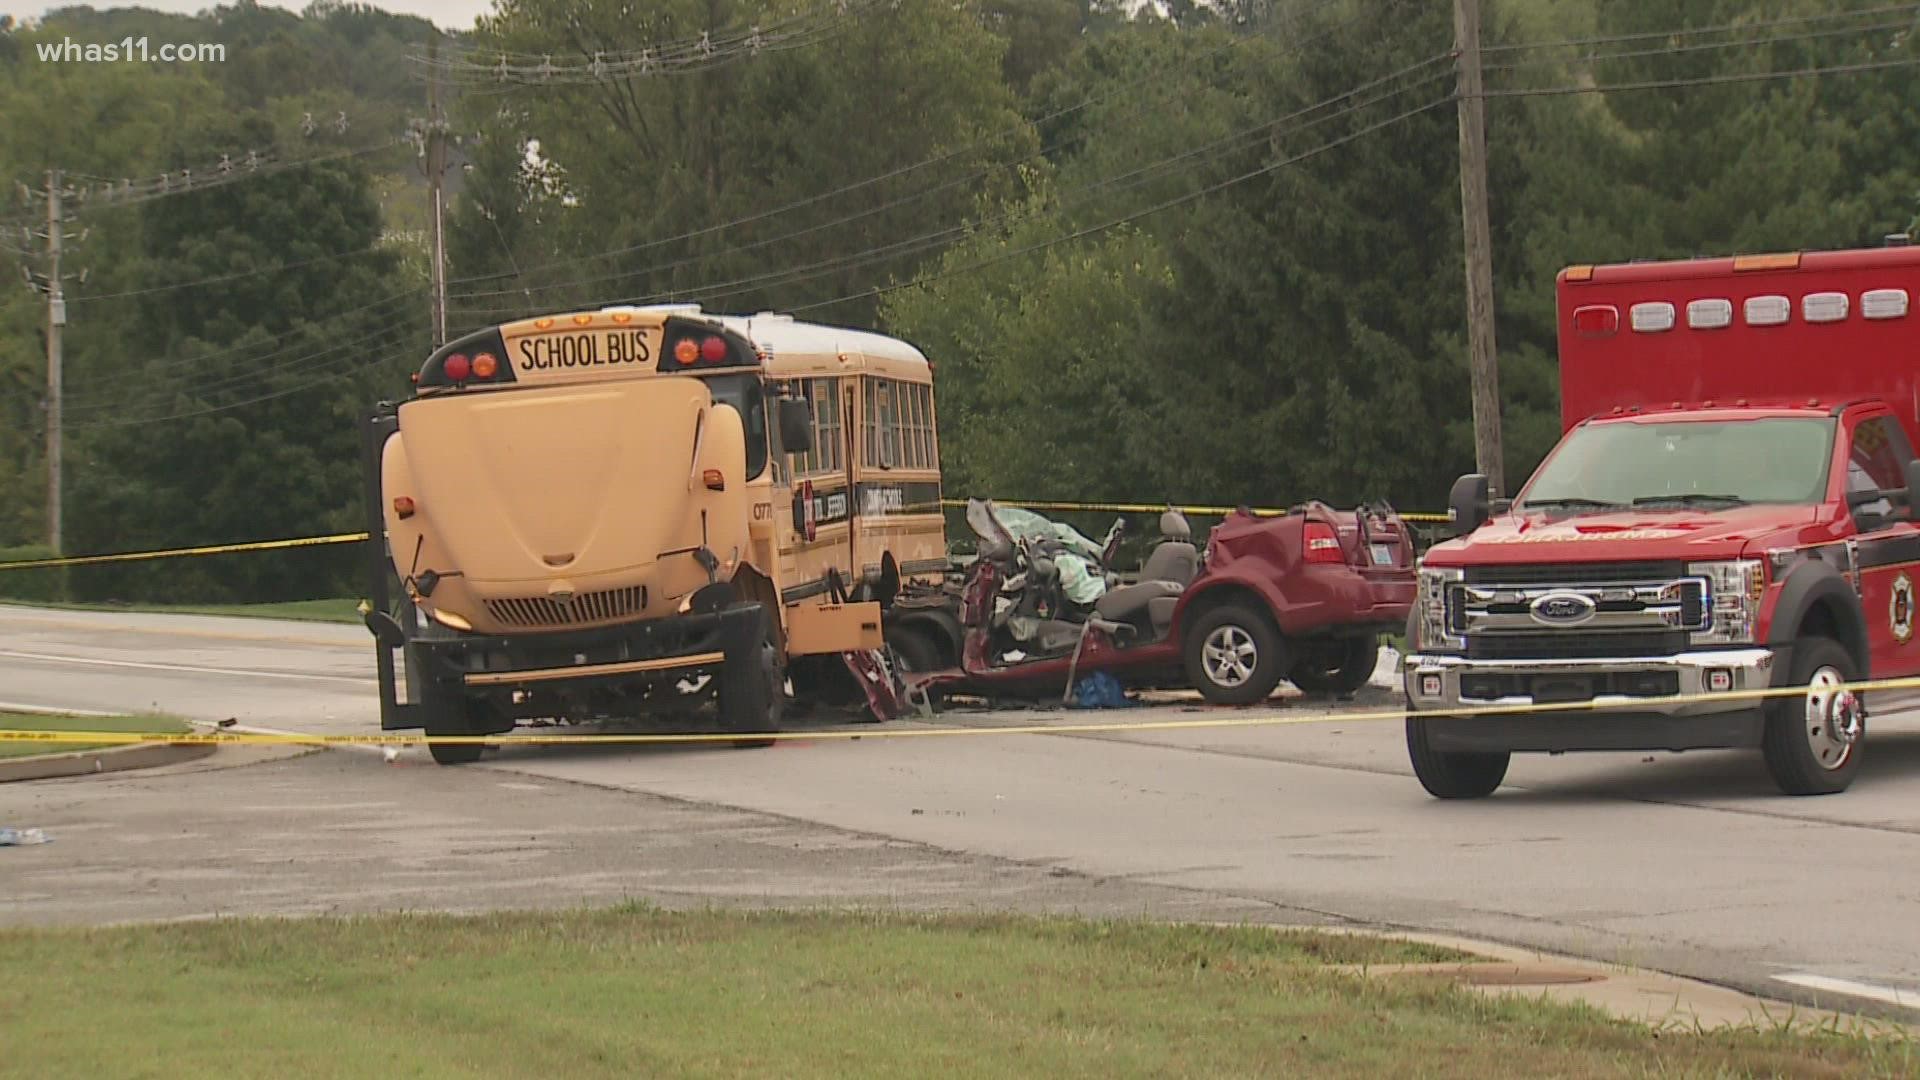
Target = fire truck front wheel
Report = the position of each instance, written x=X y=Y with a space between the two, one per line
x=1813 y=742
x=1448 y=774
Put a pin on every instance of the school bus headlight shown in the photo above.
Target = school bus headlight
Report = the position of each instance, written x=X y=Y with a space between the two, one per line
x=449 y=619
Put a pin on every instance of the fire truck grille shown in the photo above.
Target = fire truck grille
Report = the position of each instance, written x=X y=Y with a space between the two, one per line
x=594 y=607
x=1559 y=646
x=1585 y=573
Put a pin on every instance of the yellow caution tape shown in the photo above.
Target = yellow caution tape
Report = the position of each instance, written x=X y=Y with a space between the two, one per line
x=170 y=553
x=355 y=538
x=1109 y=727
x=1155 y=508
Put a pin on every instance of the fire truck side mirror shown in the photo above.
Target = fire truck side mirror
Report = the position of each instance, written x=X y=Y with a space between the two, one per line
x=1469 y=502
x=796 y=425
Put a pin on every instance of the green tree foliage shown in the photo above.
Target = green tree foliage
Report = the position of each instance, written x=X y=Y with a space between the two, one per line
x=248 y=426
x=1207 y=250
x=637 y=161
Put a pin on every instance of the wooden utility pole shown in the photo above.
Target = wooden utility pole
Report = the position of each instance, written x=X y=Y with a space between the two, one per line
x=1483 y=358
x=56 y=319
x=436 y=149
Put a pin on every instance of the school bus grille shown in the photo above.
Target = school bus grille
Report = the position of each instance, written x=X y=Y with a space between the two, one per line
x=536 y=611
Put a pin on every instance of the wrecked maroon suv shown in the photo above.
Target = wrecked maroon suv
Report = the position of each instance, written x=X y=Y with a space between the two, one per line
x=1303 y=596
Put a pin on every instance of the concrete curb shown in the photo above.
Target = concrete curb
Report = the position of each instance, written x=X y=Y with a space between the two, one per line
x=90 y=762
x=1667 y=1002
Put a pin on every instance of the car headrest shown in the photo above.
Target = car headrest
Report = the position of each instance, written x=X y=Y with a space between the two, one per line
x=1173 y=526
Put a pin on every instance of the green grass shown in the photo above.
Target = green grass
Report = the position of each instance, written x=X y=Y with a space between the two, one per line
x=35 y=722
x=638 y=992
x=334 y=611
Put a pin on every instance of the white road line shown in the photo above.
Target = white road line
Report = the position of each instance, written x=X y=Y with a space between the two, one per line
x=1906 y=999
x=51 y=710
x=95 y=661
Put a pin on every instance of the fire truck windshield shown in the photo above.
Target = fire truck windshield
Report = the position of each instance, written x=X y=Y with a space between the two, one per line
x=1617 y=465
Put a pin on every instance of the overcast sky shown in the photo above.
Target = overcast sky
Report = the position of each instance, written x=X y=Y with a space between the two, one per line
x=447 y=14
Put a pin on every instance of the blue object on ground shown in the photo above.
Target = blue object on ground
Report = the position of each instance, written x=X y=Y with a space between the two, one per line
x=1101 y=690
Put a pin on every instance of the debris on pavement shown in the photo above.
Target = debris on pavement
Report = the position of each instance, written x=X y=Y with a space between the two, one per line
x=23 y=837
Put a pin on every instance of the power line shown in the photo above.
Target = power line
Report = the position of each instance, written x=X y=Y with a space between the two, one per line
x=1678 y=50
x=1137 y=176
x=252 y=374
x=165 y=367
x=832 y=265
x=235 y=276
x=1684 y=31
x=1157 y=208
x=700 y=55
x=182 y=182
x=1017 y=129
x=870 y=211
x=1707 y=80
x=230 y=406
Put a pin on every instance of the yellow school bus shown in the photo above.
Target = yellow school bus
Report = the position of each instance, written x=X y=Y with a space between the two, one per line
x=629 y=511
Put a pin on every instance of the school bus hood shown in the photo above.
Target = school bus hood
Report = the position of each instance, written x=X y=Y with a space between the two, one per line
x=584 y=484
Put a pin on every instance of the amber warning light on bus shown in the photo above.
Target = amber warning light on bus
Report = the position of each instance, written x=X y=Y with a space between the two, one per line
x=696 y=348
x=476 y=358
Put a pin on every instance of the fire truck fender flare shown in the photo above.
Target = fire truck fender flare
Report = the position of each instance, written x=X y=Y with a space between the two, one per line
x=1817 y=600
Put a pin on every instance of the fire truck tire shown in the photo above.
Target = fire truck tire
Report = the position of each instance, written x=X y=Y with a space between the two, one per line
x=1448 y=774
x=1234 y=655
x=1337 y=667
x=753 y=696
x=1813 y=743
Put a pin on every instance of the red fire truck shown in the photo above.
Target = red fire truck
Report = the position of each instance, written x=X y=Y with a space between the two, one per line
x=1731 y=507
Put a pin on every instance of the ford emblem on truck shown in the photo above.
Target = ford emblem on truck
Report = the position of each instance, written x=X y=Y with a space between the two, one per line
x=1562 y=609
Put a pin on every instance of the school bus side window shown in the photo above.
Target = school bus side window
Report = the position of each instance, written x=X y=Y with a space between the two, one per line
x=826 y=455
x=883 y=423
x=899 y=425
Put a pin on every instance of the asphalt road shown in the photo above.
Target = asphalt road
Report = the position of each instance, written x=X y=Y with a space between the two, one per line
x=1686 y=863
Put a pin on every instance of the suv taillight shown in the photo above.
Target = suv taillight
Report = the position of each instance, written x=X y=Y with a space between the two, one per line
x=1323 y=545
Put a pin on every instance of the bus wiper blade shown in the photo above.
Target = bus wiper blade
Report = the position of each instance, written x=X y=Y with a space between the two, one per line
x=1573 y=503
x=1695 y=497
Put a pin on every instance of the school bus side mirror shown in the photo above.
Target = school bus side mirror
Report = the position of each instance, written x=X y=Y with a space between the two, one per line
x=796 y=426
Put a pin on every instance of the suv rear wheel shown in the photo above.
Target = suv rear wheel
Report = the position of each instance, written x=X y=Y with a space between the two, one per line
x=1234 y=655
x=1340 y=666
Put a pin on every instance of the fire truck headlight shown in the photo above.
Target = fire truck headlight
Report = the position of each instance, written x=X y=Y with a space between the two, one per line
x=1435 y=601
x=1734 y=590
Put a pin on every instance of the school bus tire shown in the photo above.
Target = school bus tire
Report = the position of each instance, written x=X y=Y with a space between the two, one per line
x=451 y=713
x=752 y=692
